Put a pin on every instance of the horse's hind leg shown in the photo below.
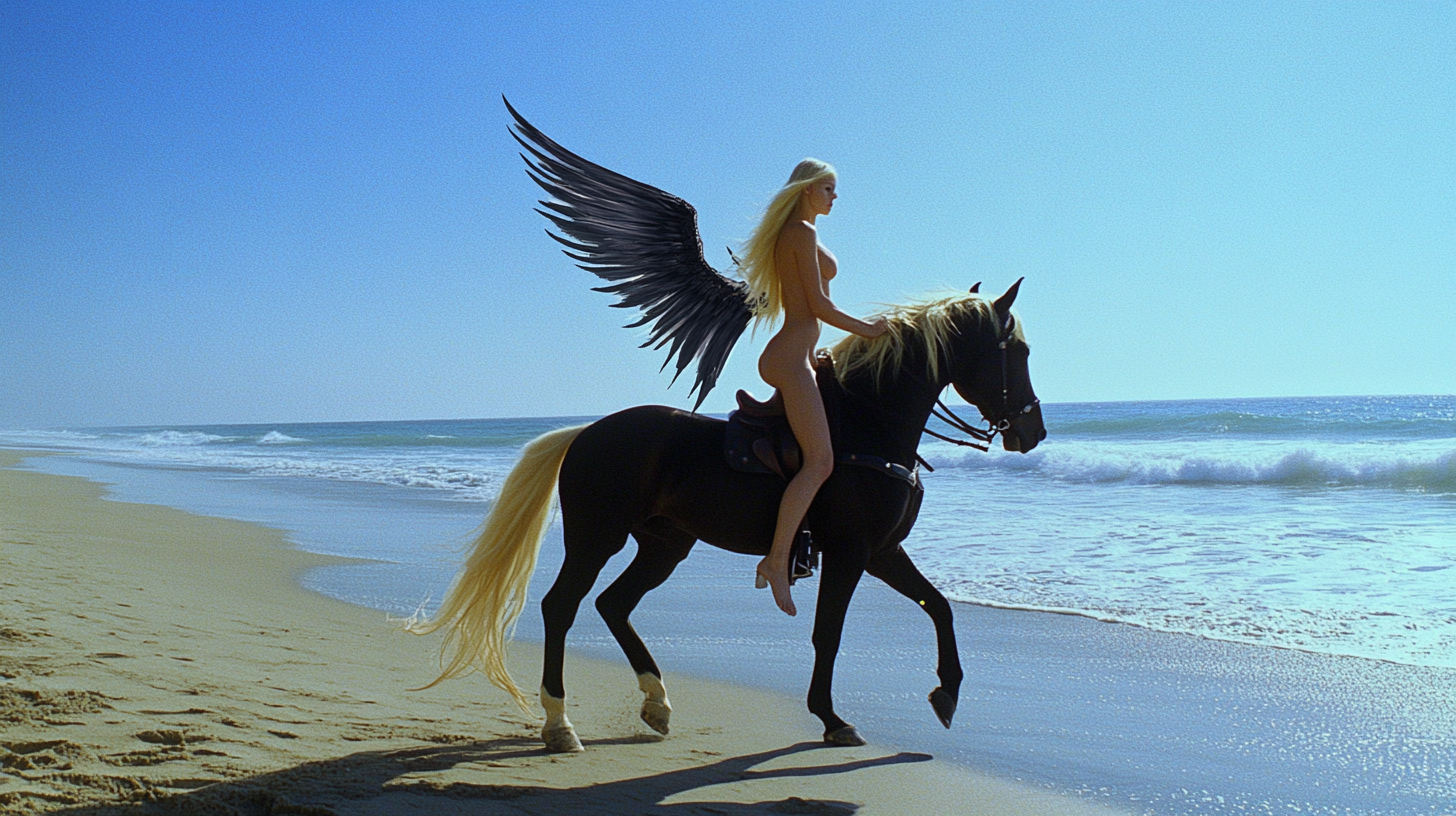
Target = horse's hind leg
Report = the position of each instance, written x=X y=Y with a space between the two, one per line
x=659 y=551
x=895 y=569
x=586 y=553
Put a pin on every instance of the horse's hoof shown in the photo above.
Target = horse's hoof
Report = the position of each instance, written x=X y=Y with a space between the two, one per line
x=844 y=735
x=656 y=716
x=561 y=740
x=944 y=705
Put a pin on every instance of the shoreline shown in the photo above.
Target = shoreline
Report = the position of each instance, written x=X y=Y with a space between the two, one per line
x=152 y=660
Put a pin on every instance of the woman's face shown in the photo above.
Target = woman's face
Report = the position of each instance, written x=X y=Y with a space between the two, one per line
x=821 y=196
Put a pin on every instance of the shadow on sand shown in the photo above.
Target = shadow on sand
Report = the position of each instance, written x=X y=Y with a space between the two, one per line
x=391 y=781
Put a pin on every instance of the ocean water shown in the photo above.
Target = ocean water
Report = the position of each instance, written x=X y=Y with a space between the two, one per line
x=1320 y=524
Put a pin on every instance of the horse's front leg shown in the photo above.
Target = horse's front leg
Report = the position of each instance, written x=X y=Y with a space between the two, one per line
x=837 y=582
x=895 y=569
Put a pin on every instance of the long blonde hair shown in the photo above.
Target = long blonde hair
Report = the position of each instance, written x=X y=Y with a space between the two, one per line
x=757 y=263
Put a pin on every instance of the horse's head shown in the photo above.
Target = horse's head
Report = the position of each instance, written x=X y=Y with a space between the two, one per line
x=991 y=373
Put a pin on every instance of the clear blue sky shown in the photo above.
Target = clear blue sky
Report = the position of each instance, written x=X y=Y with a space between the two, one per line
x=265 y=213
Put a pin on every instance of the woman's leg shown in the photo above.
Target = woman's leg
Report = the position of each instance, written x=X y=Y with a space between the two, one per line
x=805 y=411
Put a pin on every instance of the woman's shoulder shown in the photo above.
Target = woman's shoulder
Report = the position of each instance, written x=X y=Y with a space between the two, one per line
x=799 y=233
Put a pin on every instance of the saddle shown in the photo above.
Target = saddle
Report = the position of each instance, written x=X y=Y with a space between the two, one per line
x=759 y=439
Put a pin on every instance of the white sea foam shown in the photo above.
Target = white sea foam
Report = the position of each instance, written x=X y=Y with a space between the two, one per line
x=471 y=476
x=471 y=481
x=178 y=438
x=47 y=439
x=1422 y=466
x=1395 y=637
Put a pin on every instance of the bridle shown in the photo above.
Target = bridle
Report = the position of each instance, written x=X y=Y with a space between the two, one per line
x=981 y=437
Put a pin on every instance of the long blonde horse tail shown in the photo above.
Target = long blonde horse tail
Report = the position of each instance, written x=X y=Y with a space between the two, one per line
x=479 y=612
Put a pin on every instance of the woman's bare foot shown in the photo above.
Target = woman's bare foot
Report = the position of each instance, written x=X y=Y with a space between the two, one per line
x=777 y=579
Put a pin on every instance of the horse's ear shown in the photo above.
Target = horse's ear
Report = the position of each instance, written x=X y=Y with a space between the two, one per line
x=1003 y=303
x=976 y=289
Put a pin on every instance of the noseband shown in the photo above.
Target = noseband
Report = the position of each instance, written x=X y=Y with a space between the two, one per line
x=981 y=437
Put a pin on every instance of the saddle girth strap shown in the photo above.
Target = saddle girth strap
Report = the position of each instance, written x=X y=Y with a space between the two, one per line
x=885 y=466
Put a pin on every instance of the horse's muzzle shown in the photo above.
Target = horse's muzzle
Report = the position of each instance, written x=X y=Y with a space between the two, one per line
x=1025 y=433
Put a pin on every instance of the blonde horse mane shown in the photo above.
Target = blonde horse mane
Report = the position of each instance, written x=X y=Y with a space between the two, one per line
x=931 y=323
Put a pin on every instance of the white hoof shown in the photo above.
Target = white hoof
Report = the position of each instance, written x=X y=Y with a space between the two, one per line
x=846 y=735
x=656 y=715
x=656 y=710
x=557 y=733
x=561 y=739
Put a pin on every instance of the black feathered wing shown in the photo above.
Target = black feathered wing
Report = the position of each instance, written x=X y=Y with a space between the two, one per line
x=646 y=243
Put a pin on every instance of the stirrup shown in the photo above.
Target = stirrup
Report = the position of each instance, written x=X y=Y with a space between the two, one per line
x=805 y=559
x=802 y=561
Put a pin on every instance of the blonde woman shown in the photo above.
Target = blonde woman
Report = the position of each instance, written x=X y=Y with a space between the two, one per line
x=789 y=271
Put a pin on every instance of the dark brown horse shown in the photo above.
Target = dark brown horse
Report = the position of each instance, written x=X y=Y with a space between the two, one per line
x=660 y=475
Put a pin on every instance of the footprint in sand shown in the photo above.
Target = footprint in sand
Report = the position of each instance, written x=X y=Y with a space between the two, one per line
x=168 y=736
x=42 y=755
x=27 y=705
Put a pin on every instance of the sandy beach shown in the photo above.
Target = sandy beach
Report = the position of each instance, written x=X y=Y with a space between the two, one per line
x=154 y=660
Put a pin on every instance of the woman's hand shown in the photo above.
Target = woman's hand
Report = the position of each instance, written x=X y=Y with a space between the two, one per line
x=877 y=328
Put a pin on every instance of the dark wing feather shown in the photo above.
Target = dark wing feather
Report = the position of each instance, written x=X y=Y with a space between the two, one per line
x=644 y=242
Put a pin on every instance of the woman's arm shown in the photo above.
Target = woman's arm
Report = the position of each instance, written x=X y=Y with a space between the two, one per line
x=804 y=244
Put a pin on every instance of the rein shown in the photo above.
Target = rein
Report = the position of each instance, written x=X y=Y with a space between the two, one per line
x=979 y=439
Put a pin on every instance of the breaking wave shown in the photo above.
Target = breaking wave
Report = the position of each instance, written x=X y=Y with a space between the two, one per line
x=1423 y=469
